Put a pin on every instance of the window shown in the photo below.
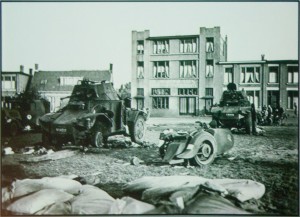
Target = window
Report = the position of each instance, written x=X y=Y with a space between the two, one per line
x=253 y=97
x=161 y=91
x=292 y=99
x=188 y=45
x=209 y=45
x=65 y=81
x=160 y=103
x=250 y=75
x=209 y=68
x=161 y=46
x=9 y=82
x=140 y=69
x=222 y=47
x=187 y=91
x=161 y=69
x=292 y=74
x=273 y=74
x=187 y=69
x=209 y=91
x=140 y=47
x=228 y=75
x=140 y=91
x=44 y=81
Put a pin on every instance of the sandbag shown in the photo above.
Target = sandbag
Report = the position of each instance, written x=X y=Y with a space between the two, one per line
x=61 y=208
x=26 y=186
x=91 y=200
x=128 y=205
x=148 y=182
x=34 y=202
x=242 y=189
x=205 y=203
x=6 y=194
x=156 y=187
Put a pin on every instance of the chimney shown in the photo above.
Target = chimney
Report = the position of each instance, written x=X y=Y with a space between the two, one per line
x=30 y=72
x=262 y=57
x=111 y=67
x=21 y=68
x=36 y=67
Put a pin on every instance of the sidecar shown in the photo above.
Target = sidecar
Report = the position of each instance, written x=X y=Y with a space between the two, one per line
x=200 y=147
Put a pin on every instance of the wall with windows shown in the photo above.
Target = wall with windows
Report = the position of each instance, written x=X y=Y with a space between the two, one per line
x=265 y=82
x=13 y=82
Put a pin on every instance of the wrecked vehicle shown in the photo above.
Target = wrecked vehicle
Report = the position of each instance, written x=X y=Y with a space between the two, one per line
x=200 y=146
x=94 y=112
x=20 y=115
x=234 y=110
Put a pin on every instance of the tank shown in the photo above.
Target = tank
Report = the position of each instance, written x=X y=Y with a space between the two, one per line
x=234 y=110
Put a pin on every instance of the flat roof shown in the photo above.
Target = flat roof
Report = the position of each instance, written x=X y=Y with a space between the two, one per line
x=257 y=62
x=172 y=37
x=13 y=73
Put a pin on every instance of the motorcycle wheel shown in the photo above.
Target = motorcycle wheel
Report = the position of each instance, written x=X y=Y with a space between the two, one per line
x=207 y=151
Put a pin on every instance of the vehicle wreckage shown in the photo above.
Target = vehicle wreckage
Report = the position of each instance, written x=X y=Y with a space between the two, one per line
x=94 y=112
x=201 y=146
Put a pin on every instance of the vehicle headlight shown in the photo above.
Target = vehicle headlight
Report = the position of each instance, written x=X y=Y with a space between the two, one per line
x=29 y=117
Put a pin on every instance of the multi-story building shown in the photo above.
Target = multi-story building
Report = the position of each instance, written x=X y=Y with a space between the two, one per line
x=187 y=74
x=55 y=86
x=266 y=82
x=177 y=75
x=14 y=82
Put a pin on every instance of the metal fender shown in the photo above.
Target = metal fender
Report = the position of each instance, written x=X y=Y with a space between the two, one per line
x=195 y=144
x=103 y=118
x=132 y=115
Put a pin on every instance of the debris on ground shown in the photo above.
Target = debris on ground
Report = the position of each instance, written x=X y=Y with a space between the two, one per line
x=52 y=156
x=119 y=141
x=136 y=161
x=7 y=151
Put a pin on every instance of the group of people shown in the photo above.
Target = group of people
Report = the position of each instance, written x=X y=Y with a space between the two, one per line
x=270 y=115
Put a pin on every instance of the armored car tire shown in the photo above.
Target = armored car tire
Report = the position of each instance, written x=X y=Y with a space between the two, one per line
x=99 y=134
x=207 y=150
x=137 y=130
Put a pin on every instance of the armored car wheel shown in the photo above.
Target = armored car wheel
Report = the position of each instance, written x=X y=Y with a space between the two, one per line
x=207 y=150
x=137 y=130
x=97 y=139
x=99 y=134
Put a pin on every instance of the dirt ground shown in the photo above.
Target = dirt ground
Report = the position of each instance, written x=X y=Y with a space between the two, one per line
x=271 y=159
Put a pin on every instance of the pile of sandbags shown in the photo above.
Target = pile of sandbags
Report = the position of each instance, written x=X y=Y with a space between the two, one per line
x=194 y=194
x=61 y=196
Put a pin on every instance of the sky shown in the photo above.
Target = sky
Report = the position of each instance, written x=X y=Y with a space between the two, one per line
x=90 y=36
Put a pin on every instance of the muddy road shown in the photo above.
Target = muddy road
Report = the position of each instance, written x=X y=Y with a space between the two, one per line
x=271 y=159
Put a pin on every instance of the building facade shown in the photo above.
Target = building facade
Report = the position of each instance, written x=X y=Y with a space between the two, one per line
x=266 y=82
x=55 y=86
x=177 y=75
x=185 y=75
x=13 y=83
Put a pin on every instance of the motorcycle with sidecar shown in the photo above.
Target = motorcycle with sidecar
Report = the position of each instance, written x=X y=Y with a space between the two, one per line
x=200 y=147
